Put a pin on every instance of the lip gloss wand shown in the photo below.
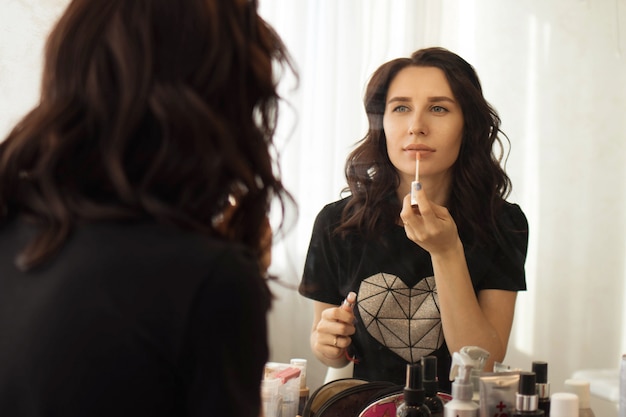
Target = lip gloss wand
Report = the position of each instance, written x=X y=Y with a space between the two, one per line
x=415 y=185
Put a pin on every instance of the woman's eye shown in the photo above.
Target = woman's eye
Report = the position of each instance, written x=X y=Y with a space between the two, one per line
x=401 y=109
x=439 y=109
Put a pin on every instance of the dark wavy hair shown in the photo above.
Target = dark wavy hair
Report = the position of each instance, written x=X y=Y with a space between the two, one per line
x=479 y=184
x=149 y=109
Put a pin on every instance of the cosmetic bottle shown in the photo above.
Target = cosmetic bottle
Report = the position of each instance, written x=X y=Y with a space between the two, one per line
x=432 y=400
x=413 y=403
x=304 y=389
x=582 y=390
x=564 y=404
x=477 y=358
x=461 y=404
x=526 y=398
x=540 y=369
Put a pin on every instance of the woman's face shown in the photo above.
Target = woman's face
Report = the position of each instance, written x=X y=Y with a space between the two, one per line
x=422 y=115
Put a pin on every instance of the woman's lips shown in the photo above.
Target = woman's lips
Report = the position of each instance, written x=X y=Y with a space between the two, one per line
x=418 y=147
x=423 y=151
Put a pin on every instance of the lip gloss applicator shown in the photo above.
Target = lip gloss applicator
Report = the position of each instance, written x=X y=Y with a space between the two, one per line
x=415 y=185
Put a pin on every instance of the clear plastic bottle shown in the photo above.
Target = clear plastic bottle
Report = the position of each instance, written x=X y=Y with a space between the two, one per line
x=413 y=404
x=582 y=390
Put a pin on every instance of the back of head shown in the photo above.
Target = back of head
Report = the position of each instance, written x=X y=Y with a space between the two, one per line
x=153 y=109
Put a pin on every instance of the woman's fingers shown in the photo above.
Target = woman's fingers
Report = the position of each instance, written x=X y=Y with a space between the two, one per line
x=429 y=225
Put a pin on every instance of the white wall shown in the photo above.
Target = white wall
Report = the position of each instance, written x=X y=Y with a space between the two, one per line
x=556 y=72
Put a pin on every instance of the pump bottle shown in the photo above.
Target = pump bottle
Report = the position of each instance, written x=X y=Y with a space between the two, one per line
x=413 y=403
x=461 y=404
x=432 y=400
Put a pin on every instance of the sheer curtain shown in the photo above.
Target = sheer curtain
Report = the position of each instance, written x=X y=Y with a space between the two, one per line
x=555 y=71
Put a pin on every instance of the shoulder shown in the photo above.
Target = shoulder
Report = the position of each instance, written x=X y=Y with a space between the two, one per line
x=512 y=218
x=163 y=252
x=330 y=214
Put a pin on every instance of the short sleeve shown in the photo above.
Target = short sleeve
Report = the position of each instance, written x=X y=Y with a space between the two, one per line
x=505 y=263
x=320 y=279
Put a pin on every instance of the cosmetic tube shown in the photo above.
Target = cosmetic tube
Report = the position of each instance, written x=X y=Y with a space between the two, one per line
x=540 y=369
x=564 y=404
x=582 y=389
x=270 y=397
x=432 y=400
x=497 y=393
x=304 y=389
x=413 y=402
x=526 y=398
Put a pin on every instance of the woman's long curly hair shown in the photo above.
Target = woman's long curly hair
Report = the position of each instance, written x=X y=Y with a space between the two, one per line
x=149 y=109
x=479 y=184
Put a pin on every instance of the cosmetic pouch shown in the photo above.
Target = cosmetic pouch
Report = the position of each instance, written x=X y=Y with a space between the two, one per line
x=346 y=397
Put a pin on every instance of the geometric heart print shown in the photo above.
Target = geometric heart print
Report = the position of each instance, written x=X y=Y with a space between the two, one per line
x=405 y=320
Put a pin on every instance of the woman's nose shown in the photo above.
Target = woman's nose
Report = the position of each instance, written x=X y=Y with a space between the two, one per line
x=417 y=125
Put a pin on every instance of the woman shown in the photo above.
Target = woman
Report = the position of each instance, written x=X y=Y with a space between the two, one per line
x=431 y=277
x=133 y=214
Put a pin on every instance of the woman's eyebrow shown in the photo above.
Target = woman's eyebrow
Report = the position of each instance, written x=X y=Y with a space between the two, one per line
x=433 y=99
x=441 y=98
x=398 y=99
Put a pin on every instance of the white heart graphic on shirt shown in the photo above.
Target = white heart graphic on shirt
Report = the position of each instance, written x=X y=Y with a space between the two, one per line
x=405 y=320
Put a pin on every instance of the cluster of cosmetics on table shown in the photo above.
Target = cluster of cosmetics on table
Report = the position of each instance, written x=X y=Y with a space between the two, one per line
x=502 y=393
x=283 y=389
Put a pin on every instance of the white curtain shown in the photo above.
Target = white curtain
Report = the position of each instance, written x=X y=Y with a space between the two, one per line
x=556 y=72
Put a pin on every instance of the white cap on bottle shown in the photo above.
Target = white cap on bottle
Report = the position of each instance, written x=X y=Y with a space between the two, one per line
x=563 y=404
x=581 y=388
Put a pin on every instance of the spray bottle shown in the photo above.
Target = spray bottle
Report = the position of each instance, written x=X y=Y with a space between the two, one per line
x=461 y=404
x=477 y=358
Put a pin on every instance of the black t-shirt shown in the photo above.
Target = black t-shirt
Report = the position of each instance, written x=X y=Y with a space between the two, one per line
x=131 y=320
x=397 y=310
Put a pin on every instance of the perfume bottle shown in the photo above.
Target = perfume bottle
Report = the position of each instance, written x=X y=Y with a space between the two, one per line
x=413 y=403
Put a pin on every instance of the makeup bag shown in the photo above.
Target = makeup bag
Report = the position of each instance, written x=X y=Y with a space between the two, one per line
x=347 y=397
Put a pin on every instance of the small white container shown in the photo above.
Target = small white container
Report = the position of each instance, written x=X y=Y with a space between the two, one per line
x=564 y=404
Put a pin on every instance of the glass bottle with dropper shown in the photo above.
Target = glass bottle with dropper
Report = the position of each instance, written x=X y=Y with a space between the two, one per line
x=432 y=400
x=413 y=402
